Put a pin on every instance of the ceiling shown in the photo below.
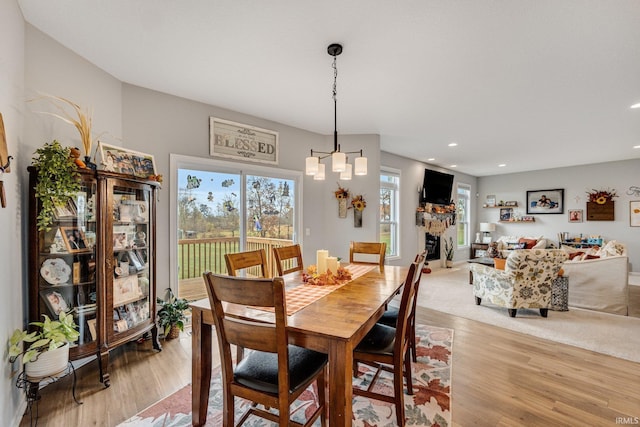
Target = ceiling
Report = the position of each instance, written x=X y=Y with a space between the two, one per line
x=532 y=84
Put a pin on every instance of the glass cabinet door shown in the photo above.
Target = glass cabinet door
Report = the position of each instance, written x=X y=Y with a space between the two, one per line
x=67 y=260
x=130 y=238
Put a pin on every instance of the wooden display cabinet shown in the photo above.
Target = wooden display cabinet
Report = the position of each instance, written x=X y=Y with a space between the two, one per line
x=97 y=262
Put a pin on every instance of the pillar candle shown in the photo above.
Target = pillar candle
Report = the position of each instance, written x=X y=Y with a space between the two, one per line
x=332 y=264
x=321 y=260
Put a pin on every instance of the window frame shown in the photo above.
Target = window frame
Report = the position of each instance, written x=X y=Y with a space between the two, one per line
x=394 y=217
x=467 y=211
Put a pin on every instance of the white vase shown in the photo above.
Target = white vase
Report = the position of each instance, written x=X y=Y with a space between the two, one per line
x=49 y=363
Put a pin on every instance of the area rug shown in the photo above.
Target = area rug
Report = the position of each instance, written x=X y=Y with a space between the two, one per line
x=448 y=290
x=430 y=405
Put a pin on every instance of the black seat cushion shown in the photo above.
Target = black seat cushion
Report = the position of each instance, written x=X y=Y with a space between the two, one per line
x=379 y=340
x=390 y=317
x=259 y=370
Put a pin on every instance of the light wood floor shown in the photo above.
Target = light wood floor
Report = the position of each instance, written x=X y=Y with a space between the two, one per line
x=499 y=378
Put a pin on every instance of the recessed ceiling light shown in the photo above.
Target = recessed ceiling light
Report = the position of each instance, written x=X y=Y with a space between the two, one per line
x=453 y=144
x=636 y=146
x=453 y=166
x=431 y=159
x=501 y=165
x=636 y=105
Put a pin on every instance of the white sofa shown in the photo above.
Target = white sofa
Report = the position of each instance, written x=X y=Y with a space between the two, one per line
x=600 y=284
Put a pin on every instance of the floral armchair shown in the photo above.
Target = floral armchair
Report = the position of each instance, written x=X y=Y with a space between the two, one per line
x=524 y=283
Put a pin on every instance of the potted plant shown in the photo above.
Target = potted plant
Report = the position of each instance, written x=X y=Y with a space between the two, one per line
x=171 y=315
x=58 y=180
x=448 y=252
x=44 y=351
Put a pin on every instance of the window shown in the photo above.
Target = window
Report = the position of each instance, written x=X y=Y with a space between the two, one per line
x=389 y=202
x=463 y=212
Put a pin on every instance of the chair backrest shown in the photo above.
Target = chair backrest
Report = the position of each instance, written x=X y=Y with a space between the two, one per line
x=284 y=255
x=241 y=260
x=407 y=303
x=368 y=248
x=545 y=262
x=245 y=332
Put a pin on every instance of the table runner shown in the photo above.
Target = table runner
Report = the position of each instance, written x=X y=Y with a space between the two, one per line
x=301 y=296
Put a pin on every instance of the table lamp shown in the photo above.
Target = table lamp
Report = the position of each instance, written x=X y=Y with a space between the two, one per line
x=487 y=228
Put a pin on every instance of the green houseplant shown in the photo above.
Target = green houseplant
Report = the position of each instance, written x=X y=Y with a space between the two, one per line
x=58 y=180
x=448 y=252
x=50 y=335
x=171 y=315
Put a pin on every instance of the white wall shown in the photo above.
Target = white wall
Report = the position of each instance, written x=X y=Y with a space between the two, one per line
x=575 y=181
x=12 y=403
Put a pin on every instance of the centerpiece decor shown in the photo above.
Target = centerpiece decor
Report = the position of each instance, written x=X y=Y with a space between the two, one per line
x=342 y=194
x=328 y=278
x=358 y=203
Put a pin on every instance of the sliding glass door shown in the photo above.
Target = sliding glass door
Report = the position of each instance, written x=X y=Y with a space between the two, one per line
x=221 y=209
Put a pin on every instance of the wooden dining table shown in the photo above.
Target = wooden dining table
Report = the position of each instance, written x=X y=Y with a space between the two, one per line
x=333 y=324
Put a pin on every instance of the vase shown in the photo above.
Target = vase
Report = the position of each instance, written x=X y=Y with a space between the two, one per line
x=357 y=218
x=342 y=208
x=449 y=263
x=49 y=363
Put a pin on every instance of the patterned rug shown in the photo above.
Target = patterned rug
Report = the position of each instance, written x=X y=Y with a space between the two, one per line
x=430 y=404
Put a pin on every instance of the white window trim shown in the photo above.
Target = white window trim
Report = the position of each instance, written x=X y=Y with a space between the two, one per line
x=468 y=188
x=385 y=170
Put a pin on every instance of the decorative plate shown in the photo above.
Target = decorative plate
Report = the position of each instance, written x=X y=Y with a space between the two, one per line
x=55 y=271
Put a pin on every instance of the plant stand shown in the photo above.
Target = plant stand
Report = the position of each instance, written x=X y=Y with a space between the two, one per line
x=31 y=386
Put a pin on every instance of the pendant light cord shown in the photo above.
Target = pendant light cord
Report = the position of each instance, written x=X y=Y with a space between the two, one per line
x=335 y=104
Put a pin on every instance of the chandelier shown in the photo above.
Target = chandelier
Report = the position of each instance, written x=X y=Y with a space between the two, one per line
x=339 y=159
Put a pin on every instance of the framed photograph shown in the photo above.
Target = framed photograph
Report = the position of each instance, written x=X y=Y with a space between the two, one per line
x=55 y=301
x=511 y=203
x=127 y=162
x=634 y=213
x=74 y=239
x=491 y=200
x=133 y=211
x=67 y=211
x=92 y=329
x=506 y=214
x=242 y=142
x=575 y=215
x=125 y=289
x=135 y=261
x=545 y=201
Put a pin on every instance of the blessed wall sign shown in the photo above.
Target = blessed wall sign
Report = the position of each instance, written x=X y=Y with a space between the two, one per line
x=242 y=142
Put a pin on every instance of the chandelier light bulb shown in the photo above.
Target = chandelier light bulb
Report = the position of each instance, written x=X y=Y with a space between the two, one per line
x=346 y=175
x=319 y=176
x=311 y=163
x=338 y=162
x=360 y=167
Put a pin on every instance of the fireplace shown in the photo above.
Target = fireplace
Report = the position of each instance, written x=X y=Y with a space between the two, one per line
x=432 y=246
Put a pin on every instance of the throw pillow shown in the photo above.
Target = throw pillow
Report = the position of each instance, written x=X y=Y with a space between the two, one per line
x=575 y=254
x=588 y=256
x=528 y=243
x=499 y=263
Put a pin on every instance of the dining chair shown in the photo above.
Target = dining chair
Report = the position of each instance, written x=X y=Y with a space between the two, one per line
x=390 y=316
x=241 y=260
x=368 y=248
x=275 y=373
x=285 y=254
x=387 y=348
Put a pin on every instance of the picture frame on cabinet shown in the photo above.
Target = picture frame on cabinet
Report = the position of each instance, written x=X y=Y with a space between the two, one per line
x=125 y=289
x=124 y=161
x=133 y=211
x=74 y=239
x=66 y=211
x=91 y=323
x=55 y=301
x=135 y=261
x=634 y=213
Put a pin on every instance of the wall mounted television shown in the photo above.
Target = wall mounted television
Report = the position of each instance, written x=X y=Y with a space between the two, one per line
x=436 y=187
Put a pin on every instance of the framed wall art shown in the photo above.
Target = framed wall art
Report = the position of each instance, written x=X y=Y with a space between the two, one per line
x=575 y=215
x=634 y=213
x=545 y=201
x=128 y=162
x=242 y=142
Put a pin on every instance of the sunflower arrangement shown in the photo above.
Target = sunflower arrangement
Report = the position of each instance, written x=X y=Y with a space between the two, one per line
x=358 y=202
x=601 y=196
x=341 y=193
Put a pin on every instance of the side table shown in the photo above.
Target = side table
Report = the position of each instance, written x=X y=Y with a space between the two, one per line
x=31 y=386
x=560 y=294
x=478 y=247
